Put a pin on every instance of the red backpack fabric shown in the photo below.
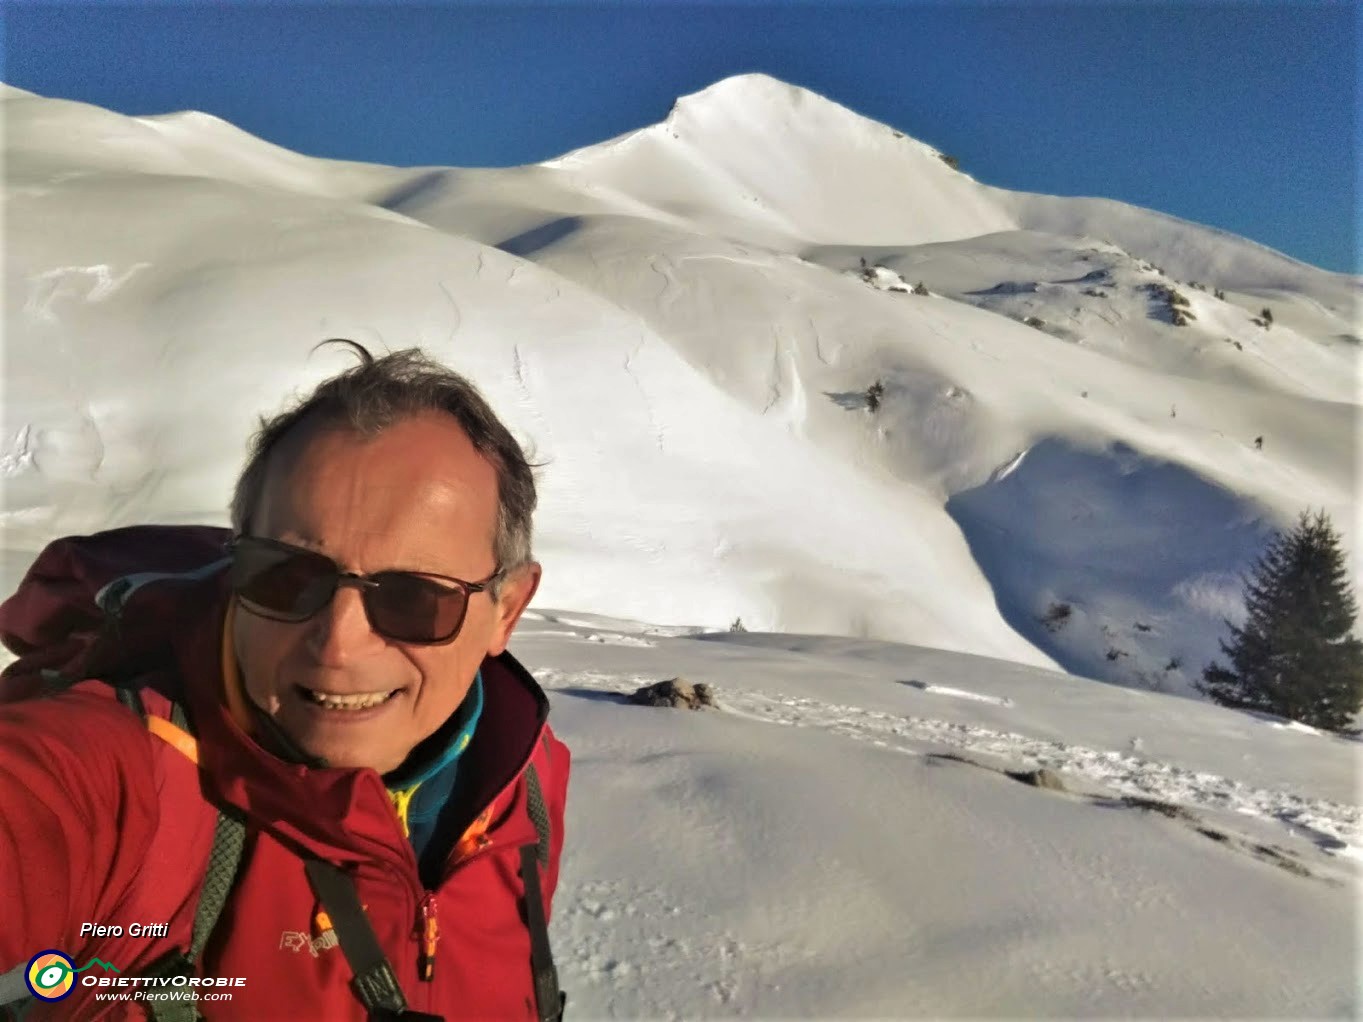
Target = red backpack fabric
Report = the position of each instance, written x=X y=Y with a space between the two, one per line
x=52 y=621
x=134 y=607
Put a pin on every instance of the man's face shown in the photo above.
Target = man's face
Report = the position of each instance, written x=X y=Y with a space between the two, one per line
x=418 y=497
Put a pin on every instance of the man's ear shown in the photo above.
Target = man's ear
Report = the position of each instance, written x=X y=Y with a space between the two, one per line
x=517 y=592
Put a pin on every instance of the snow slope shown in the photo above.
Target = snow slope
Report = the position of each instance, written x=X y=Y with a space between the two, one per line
x=839 y=840
x=684 y=322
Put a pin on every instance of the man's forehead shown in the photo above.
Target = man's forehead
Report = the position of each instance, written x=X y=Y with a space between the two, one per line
x=430 y=450
x=412 y=498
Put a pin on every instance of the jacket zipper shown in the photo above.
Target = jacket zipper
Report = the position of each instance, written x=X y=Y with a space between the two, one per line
x=428 y=922
x=428 y=928
x=428 y=919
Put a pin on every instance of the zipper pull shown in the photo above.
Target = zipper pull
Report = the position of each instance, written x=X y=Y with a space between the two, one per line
x=430 y=934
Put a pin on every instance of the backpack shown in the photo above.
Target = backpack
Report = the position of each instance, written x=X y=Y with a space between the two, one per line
x=70 y=620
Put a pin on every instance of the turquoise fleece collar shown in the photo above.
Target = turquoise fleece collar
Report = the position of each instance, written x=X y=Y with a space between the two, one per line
x=468 y=713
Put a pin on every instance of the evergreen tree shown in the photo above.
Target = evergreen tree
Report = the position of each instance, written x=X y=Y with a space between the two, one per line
x=1295 y=656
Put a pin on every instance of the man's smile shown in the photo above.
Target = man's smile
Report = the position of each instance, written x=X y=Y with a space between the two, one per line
x=347 y=702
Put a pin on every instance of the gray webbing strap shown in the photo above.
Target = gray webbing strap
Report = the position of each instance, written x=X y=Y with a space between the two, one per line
x=549 y=1000
x=224 y=861
x=13 y=988
x=172 y=1011
x=229 y=841
x=539 y=815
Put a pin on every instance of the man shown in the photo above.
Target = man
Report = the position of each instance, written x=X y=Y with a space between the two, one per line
x=338 y=796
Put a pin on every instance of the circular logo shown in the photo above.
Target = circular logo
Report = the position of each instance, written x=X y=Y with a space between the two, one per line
x=51 y=975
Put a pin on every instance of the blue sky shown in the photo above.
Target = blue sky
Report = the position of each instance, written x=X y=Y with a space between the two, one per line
x=1243 y=116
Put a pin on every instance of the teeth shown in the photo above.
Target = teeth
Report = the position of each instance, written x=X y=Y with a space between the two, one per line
x=354 y=702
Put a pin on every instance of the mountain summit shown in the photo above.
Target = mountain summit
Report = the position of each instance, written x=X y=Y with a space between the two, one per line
x=752 y=151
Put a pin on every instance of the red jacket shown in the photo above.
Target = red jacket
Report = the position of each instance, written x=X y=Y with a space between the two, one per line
x=104 y=822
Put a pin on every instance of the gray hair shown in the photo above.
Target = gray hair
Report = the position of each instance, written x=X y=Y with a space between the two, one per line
x=379 y=392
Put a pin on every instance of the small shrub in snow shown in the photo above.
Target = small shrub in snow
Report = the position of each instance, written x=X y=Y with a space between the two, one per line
x=1295 y=656
x=1141 y=626
x=1266 y=317
x=1057 y=614
x=1113 y=653
x=1034 y=321
x=1218 y=293
x=873 y=395
x=950 y=161
x=920 y=288
x=737 y=626
x=1176 y=305
x=1174 y=664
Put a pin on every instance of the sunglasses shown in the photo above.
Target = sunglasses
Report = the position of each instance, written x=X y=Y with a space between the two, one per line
x=288 y=583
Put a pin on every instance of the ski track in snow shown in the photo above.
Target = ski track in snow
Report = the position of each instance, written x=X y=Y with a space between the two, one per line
x=1336 y=826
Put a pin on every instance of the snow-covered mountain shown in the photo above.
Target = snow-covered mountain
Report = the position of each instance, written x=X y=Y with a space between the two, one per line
x=707 y=301
x=1080 y=436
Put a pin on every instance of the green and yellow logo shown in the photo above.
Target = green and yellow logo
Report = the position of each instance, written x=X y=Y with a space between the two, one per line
x=51 y=974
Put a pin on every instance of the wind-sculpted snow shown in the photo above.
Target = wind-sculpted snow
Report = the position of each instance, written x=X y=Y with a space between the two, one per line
x=840 y=839
x=1112 y=539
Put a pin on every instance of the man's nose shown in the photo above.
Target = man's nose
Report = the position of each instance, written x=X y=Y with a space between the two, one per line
x=339 y=633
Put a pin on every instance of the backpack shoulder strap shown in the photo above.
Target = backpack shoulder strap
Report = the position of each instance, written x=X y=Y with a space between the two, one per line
x=539 y=814
x=549 y=999
x=374 y=983
x=224 y=863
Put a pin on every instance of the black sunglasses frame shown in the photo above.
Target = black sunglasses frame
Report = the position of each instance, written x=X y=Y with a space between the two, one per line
x=366 y=584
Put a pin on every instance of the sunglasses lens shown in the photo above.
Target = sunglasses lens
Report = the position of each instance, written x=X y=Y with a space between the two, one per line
x=282 y=583
x=409 y=608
